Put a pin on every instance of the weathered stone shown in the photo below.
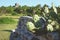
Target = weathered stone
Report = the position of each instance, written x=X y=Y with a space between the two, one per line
x=53 y=35
x=22 y=33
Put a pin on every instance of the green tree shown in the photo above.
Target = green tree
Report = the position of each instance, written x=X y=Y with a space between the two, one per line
x=10 y=9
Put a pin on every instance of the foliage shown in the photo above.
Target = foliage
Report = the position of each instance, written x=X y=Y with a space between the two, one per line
x=35 y=18
x=49 y=27
x=14 y=14
x=50 y=20
x=6 y=20
x=30 y=26
x=9 y=9
x=28 y=10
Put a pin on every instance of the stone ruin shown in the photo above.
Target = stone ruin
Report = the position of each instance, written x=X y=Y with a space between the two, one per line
x=22 y=33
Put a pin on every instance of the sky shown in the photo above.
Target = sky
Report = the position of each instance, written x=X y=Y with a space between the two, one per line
x=29 y=2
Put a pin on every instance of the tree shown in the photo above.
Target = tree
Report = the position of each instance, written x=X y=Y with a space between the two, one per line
x=10 y=9
x=3 y=9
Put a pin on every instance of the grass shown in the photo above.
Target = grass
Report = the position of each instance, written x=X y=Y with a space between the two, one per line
x=6 y=20
x=5 y=29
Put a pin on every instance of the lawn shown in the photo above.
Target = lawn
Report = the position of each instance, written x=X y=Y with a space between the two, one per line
x=5 y=29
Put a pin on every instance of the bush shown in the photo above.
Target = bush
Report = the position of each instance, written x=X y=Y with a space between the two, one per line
x=7 y=20
x=14 y=14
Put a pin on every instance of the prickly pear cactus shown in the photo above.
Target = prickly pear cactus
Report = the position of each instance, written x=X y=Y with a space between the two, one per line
x=30 y=26
x=46 y=10
x=36 y=18
x=54 y=8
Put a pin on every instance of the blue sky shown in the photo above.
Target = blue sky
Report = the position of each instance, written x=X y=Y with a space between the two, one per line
x=29 y=2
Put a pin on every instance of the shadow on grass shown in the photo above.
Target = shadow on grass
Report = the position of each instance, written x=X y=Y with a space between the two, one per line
x=6 y=30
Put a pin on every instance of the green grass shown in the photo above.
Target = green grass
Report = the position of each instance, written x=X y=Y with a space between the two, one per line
x=6 y=20
x=5 y=30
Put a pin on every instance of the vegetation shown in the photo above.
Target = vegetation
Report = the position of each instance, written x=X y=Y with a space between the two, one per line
x=28 y=10
x=50 y=24
x=9 y=18
x=5 y=30
x=7 y=27
x=6 y=20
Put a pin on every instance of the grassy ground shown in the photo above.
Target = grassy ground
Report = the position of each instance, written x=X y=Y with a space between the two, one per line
x=5 y=29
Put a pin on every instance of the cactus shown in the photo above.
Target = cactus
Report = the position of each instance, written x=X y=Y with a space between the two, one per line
x=30 y=26
x=35 y=18
x=50 y=27
x=38 y=24
x=51 y=20
x=54 y=8
x=46 y=10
